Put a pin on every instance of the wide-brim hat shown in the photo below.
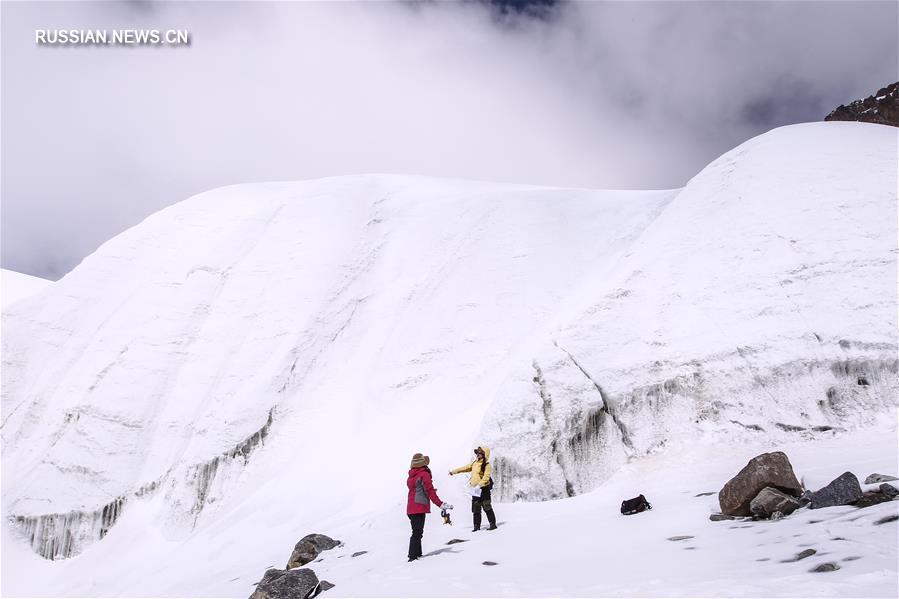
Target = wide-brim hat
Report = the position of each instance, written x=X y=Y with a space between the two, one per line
x=419 y=461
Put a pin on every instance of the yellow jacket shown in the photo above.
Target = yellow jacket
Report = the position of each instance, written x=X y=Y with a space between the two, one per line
x=476 y=479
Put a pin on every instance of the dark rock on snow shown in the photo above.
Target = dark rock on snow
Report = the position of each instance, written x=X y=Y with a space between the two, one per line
x=891 y=518
x=842 y=490
x=874 y=497
x=454 y=541
x=889 y=490
x=825 y=567
x=308 y=548
x=287 y=584
x=327 y=585
x=358 y=553
x=879 y=478
x=766 y=470
x=720 y=517
x=801 y=555
x=680 y=538
x=881 y=108
x=489 y=563
x=770 y=501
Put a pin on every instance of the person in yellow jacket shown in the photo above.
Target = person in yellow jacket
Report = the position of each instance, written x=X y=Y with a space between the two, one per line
x=481 y=483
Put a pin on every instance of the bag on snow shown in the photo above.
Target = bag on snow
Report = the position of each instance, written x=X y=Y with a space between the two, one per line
x=635 y=505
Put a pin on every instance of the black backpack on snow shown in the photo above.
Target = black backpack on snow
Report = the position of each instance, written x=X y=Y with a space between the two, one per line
x=635 y=505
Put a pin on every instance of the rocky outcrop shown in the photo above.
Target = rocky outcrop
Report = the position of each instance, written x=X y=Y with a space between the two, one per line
x=770 y=501
x=766 y=470
x=881 y=108
x=843 y=490
x=308 y=548
x=287 y=584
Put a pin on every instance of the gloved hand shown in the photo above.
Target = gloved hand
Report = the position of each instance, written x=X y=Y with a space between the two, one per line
x=446 y=506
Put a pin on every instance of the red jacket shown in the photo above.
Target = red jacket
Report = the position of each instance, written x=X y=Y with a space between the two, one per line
x=421 y=490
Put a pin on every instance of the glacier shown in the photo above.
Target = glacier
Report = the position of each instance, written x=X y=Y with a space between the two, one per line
x=271 y=354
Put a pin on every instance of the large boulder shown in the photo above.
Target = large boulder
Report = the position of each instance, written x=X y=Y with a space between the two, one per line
x=308 y=548
x=287 y=584
x=766 y=470
x=770 y=500
x=842 y=490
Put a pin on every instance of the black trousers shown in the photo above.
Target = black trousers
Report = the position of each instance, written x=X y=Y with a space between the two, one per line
x=418 y=529
x=479 y=503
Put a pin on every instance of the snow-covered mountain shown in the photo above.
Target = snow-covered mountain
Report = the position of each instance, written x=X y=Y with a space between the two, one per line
x=15 y=286
x=260 y=361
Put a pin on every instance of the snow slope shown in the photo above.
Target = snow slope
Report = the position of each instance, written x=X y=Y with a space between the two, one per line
x=260 y=361
x=15 y=286
x=761 y=302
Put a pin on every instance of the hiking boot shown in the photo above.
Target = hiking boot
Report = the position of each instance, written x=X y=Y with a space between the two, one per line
x=412 y=559
x=475 y=529
x=492 y=527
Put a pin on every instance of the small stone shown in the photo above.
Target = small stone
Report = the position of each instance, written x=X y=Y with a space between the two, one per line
x=879 y=478
x=706 y=494
x=680 y=538
x=720 y=517
x=454 y=541
x=358 y=553
x=489 y=563
x=763 y=559
x=326 y=586
x=308 y=549
x=801 y=555
x=825 y=567
x=872 y=498
x=851 y=558
x=889 y=490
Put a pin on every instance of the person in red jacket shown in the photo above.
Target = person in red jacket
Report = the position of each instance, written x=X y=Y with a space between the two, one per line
x=421 y=494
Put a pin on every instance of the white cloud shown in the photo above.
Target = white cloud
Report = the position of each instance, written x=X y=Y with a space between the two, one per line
x=635 y=95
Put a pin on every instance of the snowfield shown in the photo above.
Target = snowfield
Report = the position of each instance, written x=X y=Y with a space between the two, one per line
x=15 y=286
x=260 y=362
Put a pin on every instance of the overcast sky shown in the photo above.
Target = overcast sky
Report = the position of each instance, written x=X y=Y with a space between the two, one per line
x=616 y=95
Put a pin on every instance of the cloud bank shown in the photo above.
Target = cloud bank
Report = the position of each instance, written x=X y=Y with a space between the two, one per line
x=605 y=94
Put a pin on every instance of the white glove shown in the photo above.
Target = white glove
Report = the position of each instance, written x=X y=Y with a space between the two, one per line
x=446 y=506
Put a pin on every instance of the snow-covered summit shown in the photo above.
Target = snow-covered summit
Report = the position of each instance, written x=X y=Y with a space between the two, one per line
x=220 y=358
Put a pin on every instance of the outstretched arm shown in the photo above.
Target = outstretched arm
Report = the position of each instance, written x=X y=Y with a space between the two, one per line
x=462 y=469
